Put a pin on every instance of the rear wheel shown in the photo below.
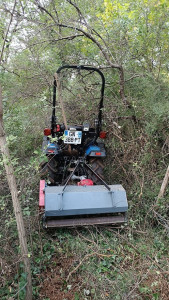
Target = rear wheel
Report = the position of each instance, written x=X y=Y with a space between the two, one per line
x=49 y=169
x=98 y=167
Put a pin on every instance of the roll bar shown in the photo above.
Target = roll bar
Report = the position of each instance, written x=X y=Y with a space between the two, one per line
x=102 y=91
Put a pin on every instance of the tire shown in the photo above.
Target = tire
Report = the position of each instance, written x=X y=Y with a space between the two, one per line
x=97 y=166
x=49 y=169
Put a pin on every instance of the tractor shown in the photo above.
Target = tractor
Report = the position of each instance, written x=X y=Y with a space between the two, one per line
x=76 y=193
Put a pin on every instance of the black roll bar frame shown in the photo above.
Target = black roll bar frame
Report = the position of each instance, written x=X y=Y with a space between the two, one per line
x=81 y=67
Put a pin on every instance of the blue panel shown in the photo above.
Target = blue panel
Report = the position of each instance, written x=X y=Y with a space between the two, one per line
x=92 y=148
x=52 y=146
x=79 y=200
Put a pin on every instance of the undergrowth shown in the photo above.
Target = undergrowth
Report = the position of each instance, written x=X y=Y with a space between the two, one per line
x=130 y=262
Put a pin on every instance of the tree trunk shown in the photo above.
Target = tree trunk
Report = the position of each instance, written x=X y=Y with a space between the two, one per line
x=16 y=203
x=164 y=184
x=122 y=93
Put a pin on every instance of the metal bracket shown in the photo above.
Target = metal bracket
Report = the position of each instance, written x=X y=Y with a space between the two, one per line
x=105 y=184
x=80 y=161
x=60 y=198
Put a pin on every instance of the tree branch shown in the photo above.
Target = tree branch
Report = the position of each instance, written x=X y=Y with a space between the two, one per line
x=7 y=31
x=95 y=41
x=87 y=25
x=132 y=77
x=9 y=71
x=87 y=34
x=71 y=37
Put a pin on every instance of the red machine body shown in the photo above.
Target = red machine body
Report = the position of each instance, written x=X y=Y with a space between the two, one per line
x=85 y=182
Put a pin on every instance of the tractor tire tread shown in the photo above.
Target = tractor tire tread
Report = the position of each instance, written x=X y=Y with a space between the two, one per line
x=97 y=167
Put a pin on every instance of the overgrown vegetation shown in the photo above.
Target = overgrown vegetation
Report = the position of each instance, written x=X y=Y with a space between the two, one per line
x=98 y=262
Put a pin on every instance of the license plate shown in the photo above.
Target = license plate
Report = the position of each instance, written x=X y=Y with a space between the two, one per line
x=72 y=137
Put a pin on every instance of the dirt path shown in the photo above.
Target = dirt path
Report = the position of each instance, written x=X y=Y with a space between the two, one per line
x=54 y=285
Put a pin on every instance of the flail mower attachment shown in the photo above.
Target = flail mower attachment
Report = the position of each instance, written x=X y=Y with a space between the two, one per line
x=77 y=194
x=83 y=204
